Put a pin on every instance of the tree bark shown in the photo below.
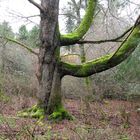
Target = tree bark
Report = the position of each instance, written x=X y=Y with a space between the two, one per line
x=55 y=100
x=49 y=37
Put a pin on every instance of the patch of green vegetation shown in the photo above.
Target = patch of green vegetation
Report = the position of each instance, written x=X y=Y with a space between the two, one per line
x=49 y=135
x=124 y=137
x=33 y=112
x=36 y=112
x=133 y=96
x=7 y=120
x=60 y=114
x=3 y=97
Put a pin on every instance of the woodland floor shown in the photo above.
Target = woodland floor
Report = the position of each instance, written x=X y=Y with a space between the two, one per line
x=107 y=120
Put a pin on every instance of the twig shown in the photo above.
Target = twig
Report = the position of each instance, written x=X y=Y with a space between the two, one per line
x=37 y=5
x=97 y=42
x=117 y=39
x=136 y=23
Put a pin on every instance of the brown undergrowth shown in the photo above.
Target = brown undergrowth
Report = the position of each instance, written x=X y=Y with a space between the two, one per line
x=107 y=120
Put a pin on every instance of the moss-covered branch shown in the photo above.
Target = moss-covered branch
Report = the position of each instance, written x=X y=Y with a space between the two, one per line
x=20 y=44
x=77 y=34
x=105 y=62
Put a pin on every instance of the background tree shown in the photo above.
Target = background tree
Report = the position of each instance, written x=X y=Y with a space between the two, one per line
x=73 y=14
x=23 y=33
x=6 y=30
x=30 y=38
x=33 y=37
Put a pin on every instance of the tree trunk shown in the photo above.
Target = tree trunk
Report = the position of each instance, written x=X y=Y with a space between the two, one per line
x=48 y=74
x=83 y=60
x=45 y=83
x=55 y=100
x=49 y=37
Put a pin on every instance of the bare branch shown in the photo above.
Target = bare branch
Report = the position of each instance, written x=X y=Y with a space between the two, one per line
x=137 y=22
x=98 y=42
x=19 y=43
x=36 y=4
x=68 y=15
x=27 y=19
x=117 y=39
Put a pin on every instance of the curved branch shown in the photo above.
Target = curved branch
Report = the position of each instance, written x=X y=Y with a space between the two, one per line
x=105 y=62
x=19 y=43
x=85 y=24
x=36 y=4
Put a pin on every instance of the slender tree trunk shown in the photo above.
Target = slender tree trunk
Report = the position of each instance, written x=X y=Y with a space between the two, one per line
x=82 y=53
x=45 y=83
x=55 y=100
x=83 y=60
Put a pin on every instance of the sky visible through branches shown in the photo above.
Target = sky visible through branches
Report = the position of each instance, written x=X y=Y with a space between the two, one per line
x=16 y=12
x=12 y=11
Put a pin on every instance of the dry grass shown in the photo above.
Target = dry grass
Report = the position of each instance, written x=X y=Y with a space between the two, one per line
x=109 y=120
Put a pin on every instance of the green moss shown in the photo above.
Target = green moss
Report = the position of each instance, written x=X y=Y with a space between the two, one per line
x=86 y=69
x=33 y=112
x=36 y=112
x=60 y=114
x=76 y=35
